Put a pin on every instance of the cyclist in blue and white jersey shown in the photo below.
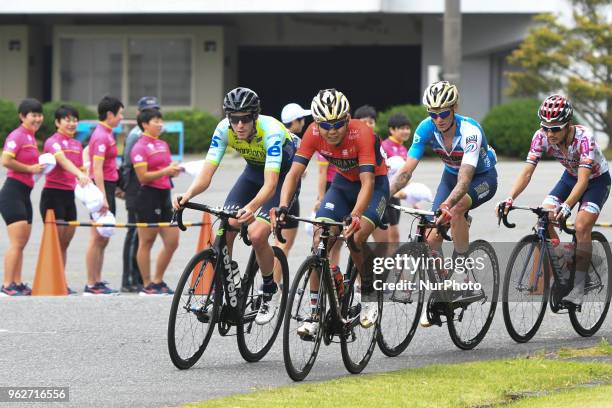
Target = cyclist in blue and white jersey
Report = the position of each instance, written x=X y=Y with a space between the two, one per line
x=469 y=178
x=268 y=148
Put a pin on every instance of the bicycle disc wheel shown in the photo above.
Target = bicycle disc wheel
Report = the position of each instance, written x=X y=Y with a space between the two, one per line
x=254 y=340
x=357 y=343
x=472 y=318
x=194 y=311
x=524 y=299
x=597 y=293
x=300 y=353
x=403 y=306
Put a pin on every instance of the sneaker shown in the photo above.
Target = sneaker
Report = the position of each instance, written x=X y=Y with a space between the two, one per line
x=368 y=314
x=424 y=321
x=70 y=291
x=164 y=288
x=152 y=289
x=10 y=290
x=268 y=307
x=308 y=329
x=575 y=296
x=24 y=289
x=99 y=289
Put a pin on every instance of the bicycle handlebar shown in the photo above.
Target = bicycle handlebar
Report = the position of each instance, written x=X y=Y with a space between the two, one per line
x=539 y=211
x=441 y=229
x=177 y=216
x=279 y=235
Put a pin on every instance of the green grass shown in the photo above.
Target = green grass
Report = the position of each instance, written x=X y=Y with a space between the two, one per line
x=602 y=349
x=591 y=397
x=456 y=385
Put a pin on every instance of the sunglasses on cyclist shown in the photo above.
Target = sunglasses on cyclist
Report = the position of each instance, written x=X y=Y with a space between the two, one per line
x=245 y=119
x=554 y=129
x=336 y=125
x=443 y=115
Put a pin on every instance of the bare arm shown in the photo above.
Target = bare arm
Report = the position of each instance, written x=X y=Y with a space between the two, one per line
x=322 y=181
x=202 y=180
x=365 y=193
x=466 y=174
x=265 y=192
x=12 y=163
x=403 y=176
x=290 y=183
x=522 y=181
x=145 y=176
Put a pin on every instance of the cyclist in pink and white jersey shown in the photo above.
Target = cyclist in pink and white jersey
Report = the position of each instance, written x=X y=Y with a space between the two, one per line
x=586 y=179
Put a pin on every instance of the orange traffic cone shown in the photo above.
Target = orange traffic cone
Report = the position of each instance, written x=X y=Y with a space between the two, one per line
x=204 y=241
x=50 y=279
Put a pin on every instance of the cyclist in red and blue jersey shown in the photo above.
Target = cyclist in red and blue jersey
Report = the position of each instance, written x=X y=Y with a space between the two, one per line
x=469 y=178
x=268 y=148
x=586 y=179
x=360 y=188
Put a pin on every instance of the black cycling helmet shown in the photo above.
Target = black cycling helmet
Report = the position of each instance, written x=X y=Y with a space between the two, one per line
x=241 y=100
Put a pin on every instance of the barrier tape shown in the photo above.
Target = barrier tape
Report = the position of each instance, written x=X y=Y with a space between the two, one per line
x=125 y=224
x=597 y=224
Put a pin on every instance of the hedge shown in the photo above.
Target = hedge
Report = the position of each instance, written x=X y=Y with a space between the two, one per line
x=509 y=127
x=9 y=119
x=416 y=113
x=199 y=128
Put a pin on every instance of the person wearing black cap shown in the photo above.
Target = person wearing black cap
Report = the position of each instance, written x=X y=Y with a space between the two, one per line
x=132 y=280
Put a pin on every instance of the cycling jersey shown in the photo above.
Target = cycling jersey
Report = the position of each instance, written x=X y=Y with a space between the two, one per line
x=268 y=148
x=358 y=152
x=469 y=145
x=102 y=146
x=21 y=145
x=582 y=152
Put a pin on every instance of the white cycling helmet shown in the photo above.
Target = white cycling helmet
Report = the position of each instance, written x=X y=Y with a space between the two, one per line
x=440 y=95
x=329 y=105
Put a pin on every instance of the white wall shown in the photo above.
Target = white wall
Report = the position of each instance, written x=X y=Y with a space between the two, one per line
x=14 y=63
x=207 y=70
x=272 y=6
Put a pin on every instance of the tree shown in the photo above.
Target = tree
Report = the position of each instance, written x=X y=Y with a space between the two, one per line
x=575 y=59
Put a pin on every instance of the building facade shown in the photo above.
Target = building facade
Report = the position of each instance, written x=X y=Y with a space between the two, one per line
x=189 y=52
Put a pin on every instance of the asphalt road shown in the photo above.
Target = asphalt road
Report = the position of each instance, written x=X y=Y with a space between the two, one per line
x=113 y=352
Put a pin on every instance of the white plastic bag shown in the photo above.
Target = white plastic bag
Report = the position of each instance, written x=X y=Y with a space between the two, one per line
x=107 y=218
x=90 y=196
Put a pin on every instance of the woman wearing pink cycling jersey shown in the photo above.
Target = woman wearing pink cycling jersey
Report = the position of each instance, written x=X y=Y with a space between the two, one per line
x=586 y=179
x=58 y=192
x=20 y=157
x=153 y=166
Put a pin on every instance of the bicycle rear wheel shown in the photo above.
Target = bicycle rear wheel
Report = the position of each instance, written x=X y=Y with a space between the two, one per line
x=470 y=321
x=300 y=353
x=254 y=341
x=357 y=343
x=525 y=296
x=194 y=310
x=403 y=307
x=597 y=293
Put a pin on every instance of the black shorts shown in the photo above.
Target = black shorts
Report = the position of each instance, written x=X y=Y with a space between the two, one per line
x=392 y=216
x=153 y=205
x=15 y=203
x=60 y=201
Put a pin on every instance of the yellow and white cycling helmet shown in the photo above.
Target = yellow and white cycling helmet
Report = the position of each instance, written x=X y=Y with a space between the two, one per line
x=440 y=95
x=329 y=105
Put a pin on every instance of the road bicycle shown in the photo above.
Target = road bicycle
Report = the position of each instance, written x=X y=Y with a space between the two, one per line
x=527 y=287
x=212 y=291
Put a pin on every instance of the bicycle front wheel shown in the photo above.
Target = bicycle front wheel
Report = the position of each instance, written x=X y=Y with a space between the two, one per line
x=194 y=310
x=403 y=304
x=356 y=342
x=526 y=289
x=254 y=340
x=300 y=349
x=597 y=293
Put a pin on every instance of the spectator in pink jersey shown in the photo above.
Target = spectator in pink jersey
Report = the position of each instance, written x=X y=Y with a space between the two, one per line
x=58 y=192
x=20 y=157
x=103 y=171
x=153 y=165
x=400 y=129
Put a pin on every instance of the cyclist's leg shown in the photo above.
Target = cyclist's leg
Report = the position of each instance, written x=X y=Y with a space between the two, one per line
x=447 y=183
x=557 y=196
x=592 y=201
x=244 y=190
